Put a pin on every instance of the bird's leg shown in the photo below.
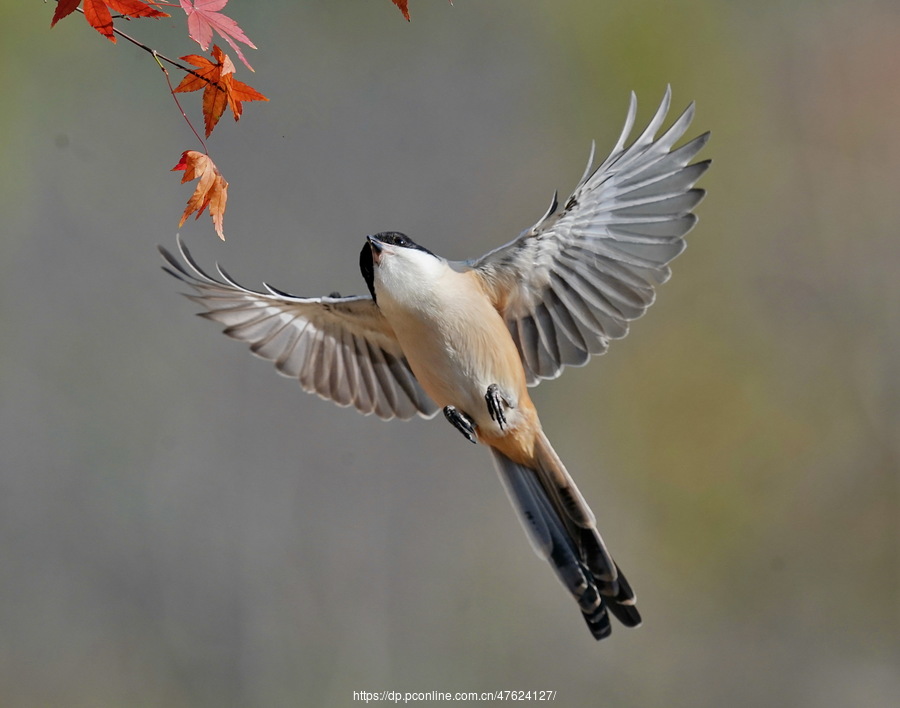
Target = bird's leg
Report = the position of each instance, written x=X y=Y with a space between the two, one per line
x=461 y=422
x=496 y=403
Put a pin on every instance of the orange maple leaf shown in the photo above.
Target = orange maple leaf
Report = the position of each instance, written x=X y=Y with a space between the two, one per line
x=220 y=88
x=211 y=191
x=97 y=12
x=204 y=17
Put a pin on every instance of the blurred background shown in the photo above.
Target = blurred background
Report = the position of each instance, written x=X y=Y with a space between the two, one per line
x=179 y=526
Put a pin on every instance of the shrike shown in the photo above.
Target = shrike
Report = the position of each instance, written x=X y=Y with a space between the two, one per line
x=469 y=337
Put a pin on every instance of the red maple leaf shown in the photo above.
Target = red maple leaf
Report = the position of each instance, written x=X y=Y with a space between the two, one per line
x=97 y=12
x=404 y=7
x=211 y=191
x=204 y=17
x=220 y=88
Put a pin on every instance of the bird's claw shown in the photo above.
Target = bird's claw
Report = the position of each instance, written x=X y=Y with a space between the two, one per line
x=461 y=422
x=495 y=404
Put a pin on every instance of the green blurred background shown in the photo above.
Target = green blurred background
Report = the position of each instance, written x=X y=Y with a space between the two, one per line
x=179 y=526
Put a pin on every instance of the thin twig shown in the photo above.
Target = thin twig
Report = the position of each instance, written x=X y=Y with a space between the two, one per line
x=187 y=120
x=160 y=58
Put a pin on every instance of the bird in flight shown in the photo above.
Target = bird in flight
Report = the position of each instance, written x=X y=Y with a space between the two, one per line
x=469 y=337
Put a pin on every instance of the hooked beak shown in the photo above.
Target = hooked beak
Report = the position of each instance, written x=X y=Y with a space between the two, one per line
x=376 y=246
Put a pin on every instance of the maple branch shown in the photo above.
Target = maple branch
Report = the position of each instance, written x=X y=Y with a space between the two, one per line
x=212 y=189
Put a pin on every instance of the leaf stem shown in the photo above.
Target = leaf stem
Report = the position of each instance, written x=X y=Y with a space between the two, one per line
x=187 y=120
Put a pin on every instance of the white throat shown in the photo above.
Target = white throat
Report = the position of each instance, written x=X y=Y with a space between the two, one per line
x=407 y=277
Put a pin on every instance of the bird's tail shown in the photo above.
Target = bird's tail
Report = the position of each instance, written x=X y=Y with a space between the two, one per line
x=563 y=531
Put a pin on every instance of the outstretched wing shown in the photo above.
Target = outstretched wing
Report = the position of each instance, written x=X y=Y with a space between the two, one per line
x=573 y=281
x=340 y=348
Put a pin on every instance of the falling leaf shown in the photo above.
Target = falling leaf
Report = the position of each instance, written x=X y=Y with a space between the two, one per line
x=204 y=17
x=404 y=7
x=211 y=191
x=97 y=12
x=220 y=88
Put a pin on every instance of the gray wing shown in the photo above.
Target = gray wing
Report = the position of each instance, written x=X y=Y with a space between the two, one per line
x=574 y=280
x=340 y=348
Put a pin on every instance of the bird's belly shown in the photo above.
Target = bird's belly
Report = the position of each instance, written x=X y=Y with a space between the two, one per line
x=449 y=377
x=457 y=358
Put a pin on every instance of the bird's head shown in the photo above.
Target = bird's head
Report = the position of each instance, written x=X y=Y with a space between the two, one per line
x=394 y=262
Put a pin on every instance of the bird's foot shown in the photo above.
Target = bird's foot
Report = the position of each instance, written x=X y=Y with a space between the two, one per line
x=461 y=422
x=496 y=403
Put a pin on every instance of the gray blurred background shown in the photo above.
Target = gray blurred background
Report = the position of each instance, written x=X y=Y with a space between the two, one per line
x=179 y=526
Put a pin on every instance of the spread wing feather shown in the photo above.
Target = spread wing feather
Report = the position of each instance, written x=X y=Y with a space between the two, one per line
x=579 y=276
x=340 y=348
